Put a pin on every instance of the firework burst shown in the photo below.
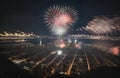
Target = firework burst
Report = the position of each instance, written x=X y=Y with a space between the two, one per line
x=60 y=18
x=103 y=25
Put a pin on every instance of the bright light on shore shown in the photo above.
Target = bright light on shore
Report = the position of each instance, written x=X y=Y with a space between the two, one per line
x=59 y=52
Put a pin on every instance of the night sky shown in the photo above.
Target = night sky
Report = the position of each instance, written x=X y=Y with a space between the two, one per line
x=28 y=15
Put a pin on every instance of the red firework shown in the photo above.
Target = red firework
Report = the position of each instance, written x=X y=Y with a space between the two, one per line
x=60 y=17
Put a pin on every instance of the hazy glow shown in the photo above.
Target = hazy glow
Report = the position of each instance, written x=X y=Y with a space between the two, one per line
x=114 y=50
x=60 y=43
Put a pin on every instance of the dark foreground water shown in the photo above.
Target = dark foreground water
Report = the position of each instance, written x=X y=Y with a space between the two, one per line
x=41 y=59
